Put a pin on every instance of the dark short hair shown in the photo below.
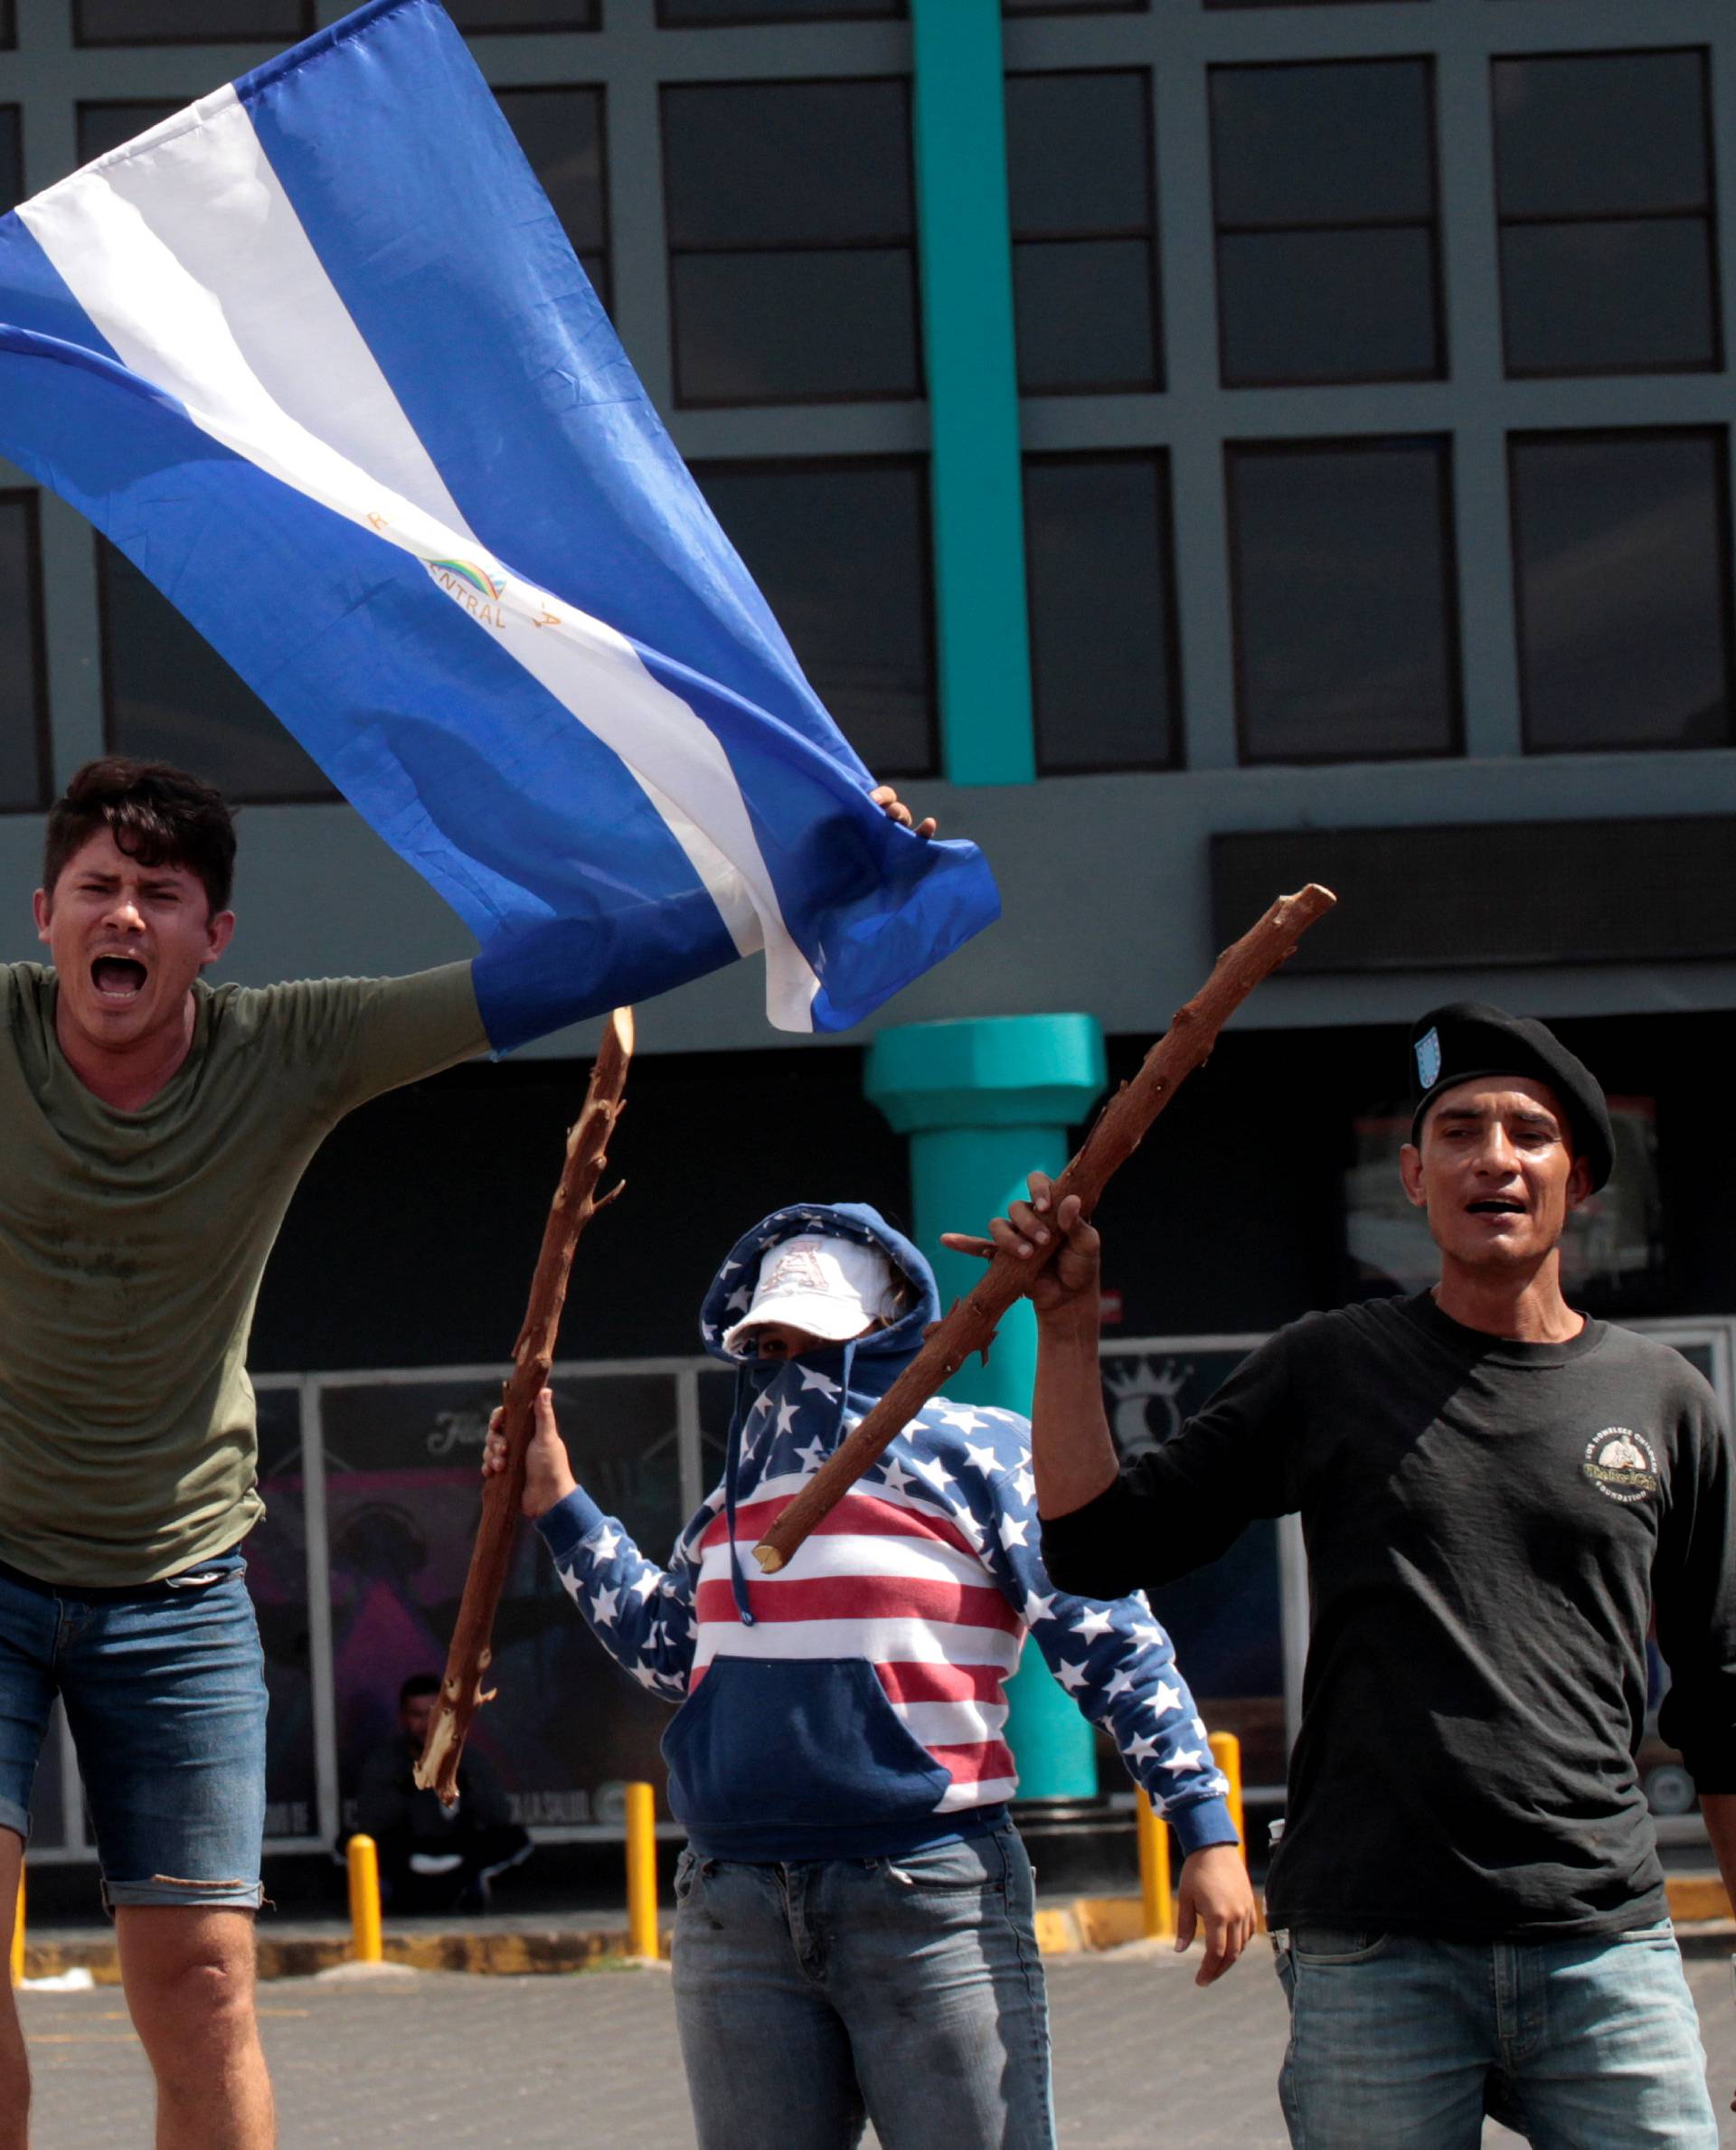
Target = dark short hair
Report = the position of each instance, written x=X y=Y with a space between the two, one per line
x=417 y=1685
x=158 y=815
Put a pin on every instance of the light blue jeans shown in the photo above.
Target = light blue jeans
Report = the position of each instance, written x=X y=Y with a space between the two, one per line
x=1399 y=2042
x=907 y=1991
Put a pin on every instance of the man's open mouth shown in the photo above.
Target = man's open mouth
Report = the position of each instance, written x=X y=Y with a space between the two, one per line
x=119 y=977
x=1495 y=1205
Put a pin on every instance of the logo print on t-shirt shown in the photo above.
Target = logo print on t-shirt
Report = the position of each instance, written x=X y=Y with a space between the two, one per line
x=1620 y=1463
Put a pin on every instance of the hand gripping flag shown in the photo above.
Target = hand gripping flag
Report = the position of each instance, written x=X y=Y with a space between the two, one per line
x=317 y=356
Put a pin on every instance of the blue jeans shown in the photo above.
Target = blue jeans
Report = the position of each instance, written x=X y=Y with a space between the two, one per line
x=1399 y=2042
x=907 y=1990
x=165 y=1691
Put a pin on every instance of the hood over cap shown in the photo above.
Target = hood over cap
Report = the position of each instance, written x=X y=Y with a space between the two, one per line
x=866 y=1366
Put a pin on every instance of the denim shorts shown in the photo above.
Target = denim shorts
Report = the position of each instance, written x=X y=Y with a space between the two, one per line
x=164 y=1692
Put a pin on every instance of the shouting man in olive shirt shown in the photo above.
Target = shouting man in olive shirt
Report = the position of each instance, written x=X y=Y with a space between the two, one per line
x=152 y=1132
x=1496 y=1494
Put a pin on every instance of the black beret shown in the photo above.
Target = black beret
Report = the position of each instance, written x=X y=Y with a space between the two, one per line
x=1468 y=1038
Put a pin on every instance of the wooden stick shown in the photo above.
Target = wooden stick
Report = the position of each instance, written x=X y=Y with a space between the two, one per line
x=576 y=1203
x=970 y=1325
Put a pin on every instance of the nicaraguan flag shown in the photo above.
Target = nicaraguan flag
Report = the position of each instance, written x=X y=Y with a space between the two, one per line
x=317 y=356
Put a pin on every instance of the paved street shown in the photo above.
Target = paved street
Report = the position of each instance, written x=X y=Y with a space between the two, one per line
x=533 y=2063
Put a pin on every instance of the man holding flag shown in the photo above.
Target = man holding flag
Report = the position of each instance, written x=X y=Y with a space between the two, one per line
x=395 y=467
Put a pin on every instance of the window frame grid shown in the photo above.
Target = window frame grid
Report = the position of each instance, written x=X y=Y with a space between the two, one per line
x=593 y=28
x=36 y=602
x=1718 y=435
x=819 y=464
x=1705 y=212
x=102 y=546
x=1441 y=371
x=1147 y=234
x=1444 y=442
x=896 y=12
x=1158 y=455
x=216 y=39
x=681 y=400
x=1054 y=10
x=12 y=109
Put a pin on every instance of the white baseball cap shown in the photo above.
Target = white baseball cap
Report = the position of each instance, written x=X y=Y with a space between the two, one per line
x=831 y=1287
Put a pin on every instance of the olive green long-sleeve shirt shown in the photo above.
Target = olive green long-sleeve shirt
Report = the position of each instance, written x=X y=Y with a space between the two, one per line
x=132 y=1245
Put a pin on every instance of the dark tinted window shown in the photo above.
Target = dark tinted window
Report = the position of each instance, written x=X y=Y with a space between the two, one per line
x=525 y=14
x=189 y=21
x=23 y=702
x=1604 y=171
x=1074 y=7
x=1084 y=261
x=1323 y=183
x=1346 y=636
x=1098 y=545
x=790 y=229
x=841 y=551
x=11 y=159
x=171 y=697
x=105 y=127
x=681 y=13
x=8 y=24
x=561 y=132
x=1622 y=556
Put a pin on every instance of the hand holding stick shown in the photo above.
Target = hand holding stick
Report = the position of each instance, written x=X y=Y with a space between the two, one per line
x=575 y=1204
x=970 y=1325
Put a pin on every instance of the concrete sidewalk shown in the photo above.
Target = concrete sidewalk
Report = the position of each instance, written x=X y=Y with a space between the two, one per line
x=1142 y=2059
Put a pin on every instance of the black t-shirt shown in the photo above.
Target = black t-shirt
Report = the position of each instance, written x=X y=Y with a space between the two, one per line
x=1488 y=1526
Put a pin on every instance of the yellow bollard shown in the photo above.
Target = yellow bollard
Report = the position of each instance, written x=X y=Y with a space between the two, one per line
x=641 y=1871
x=18 y=1933
x=1158 y=1906
x=365 y=1901
x=1226 y=1751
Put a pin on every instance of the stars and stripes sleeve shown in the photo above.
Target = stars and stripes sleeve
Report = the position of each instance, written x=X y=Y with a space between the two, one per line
x=643 y=1614
x=1111 y=1655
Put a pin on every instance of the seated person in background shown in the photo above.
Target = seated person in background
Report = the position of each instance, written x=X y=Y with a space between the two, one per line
x=434 y=1858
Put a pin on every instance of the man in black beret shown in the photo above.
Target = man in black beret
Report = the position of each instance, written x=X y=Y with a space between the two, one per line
x=1497 y=1494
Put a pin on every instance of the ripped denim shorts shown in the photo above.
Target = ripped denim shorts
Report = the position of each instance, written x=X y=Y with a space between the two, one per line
x=165 y=1692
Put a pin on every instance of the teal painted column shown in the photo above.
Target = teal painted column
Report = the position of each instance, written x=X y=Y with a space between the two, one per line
x=984 y=1102
x=978 y=509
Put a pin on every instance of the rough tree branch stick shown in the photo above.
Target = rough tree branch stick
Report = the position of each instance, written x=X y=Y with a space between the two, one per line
x=970 y=1325
x=575 y=1204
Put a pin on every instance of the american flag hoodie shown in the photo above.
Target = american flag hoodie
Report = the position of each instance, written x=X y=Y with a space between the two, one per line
x=851 y=1706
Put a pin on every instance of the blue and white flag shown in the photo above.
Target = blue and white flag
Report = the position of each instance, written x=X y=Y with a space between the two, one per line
x=317 y=356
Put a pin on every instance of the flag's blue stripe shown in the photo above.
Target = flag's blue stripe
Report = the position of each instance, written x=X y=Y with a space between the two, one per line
x=462 y=762
x=443 y=248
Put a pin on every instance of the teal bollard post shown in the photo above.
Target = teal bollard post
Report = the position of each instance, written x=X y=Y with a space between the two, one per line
x=984 y=1103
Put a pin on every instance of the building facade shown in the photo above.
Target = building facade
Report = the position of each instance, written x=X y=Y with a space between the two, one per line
x=1194 y=445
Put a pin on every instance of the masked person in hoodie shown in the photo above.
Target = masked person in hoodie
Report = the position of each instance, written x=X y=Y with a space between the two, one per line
x=854 y=1930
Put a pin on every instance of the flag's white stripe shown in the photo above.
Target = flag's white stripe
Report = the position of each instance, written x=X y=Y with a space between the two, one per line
x=172 y=253
x=882 y=1642
x=921 y=1497
x=922 y=1559
x=988 y=1792
x=953 y=1724
x=200 y=182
